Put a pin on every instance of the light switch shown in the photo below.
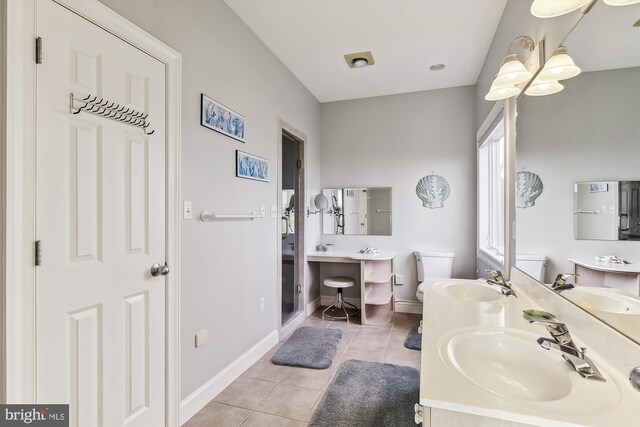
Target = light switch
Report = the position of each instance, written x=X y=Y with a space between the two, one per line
x=262 y=210
x=399 y=279
x=202 y=336
x=187 y=214
x=274 y=211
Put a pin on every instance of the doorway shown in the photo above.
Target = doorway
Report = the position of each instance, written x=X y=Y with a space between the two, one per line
x=291 y=209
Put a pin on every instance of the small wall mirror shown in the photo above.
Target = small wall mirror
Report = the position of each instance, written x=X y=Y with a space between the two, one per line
x=357 y=211
x=321 y=202
x=607 y=210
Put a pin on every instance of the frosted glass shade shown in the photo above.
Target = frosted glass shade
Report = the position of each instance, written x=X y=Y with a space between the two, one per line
x=620 y=2
x=560 y=66
x=543 y=87
x=512 y=72
x=553 y=8
x=498 y=92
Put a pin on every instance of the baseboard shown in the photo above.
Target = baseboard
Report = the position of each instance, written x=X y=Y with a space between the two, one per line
x=313 y=306
x=408 y=306
x=292 y=324
x=327 y=300
x=190 y=405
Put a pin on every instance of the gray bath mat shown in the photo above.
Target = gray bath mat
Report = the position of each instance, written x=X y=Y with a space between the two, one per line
x=414 y=339
x=369 y=394
x=309 y=348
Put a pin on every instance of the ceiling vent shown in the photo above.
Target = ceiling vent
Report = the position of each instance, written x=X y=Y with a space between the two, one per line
x=359 y=60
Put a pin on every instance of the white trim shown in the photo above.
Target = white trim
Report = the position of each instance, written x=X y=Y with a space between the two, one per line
x=190 y=405
x=510 y=113
x=313 y=306
x=408 y=306
x=3 y=107
x=18 y=230
x=327 y=300
x=18 y=227
x=292 y=325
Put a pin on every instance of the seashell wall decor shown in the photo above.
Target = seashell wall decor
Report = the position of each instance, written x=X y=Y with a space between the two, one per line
x=528 y=189
x=433 y=190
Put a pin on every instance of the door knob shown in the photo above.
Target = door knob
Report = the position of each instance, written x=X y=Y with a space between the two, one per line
x=159 y=270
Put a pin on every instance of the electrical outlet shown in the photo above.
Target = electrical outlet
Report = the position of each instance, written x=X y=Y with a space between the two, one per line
x=262 y=211
x=188 y=211
x=399 y=279
x=274 y=211
x=261 y=304
x=202 y=336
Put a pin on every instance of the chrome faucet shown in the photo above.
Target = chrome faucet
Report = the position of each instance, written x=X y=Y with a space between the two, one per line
x=560 y=283
x=563 y=343
x=499 y=281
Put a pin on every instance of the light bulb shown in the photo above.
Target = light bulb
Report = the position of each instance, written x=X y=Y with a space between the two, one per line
x=541 y=87
x=553 y=8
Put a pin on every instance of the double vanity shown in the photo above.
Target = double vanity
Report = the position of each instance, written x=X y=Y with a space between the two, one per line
x=483 y=363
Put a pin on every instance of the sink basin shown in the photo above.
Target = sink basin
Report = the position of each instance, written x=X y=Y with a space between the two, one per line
x=507 y=362
x=468 y=290
x=603 y=299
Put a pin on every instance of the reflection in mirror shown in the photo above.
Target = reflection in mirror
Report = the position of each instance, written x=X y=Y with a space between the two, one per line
x=607 y=210
x=363 y=211
x=588 y=133
x=288 y=223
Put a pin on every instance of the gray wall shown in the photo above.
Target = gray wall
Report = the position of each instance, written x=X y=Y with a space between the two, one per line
x=393 y=141
x=227 y=266
x=587 y=132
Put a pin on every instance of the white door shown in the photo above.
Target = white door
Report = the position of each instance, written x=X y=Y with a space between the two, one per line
x=101 y=220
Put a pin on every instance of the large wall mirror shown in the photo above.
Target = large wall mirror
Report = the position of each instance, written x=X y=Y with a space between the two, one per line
x=357 y=210
x=586 y=139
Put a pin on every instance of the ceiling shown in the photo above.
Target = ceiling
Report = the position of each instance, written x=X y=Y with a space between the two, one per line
x=405 y=36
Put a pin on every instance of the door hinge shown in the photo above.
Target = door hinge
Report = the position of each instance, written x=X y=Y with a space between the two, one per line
x=38 y=50
x=38 y=252
x=299 y=288
x=299 y=164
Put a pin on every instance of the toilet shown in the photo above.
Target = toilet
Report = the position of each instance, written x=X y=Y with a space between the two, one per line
x=534 y=265
x=432 y=264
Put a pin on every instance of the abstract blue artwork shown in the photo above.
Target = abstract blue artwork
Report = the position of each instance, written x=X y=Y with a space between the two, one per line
x=251 y=167
x=220 y=118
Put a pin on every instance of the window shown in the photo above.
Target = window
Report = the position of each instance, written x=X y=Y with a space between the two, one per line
x=491 y=173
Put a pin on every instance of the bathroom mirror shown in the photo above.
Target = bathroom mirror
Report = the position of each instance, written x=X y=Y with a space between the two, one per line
x=585 y=142
x=607 y=210
x=321 y=202
x=357 y=211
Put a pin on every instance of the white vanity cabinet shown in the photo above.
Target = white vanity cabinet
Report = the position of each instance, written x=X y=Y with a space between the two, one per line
x=624 y=277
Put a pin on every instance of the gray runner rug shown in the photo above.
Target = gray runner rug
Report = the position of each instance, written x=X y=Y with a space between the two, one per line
x=309 y=348
x=414 y=339
x=370 y=394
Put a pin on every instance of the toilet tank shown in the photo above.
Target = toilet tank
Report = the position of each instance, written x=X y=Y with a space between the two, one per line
x=534 y=265
x=434 y=264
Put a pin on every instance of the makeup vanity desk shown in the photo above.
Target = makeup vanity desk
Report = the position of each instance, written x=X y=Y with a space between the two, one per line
x=624 y=277
x=376 y=281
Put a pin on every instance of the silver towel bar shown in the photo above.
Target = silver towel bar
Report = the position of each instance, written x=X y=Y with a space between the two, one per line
x=208 y=216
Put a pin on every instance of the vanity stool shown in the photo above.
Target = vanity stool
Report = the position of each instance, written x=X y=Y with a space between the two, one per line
x=340 y=283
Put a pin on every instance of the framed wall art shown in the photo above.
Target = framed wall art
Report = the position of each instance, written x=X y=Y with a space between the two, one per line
x=251 y=167
x=216 y=116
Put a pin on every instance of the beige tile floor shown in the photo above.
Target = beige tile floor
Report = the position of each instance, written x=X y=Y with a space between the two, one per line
x=269 y=395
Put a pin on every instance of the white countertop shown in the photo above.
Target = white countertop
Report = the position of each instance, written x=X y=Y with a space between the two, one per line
x=634 y=267
x=589 y=402
x=354 y=255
